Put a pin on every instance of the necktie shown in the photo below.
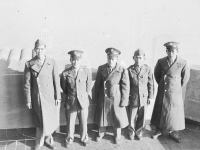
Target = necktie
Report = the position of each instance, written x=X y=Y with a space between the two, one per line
x=110 y=70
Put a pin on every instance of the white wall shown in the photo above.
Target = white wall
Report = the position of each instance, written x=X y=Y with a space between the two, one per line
x=94 y=25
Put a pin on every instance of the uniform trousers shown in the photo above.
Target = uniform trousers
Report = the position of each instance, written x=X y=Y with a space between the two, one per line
x=116 y=132
x=71 y=116
x=40 y=136
x=136 y=117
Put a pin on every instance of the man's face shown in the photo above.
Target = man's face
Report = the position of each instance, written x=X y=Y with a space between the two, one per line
x=172 y=53
x=76 y=62
x=40 y=51
x=112 y=61
x=139 y=60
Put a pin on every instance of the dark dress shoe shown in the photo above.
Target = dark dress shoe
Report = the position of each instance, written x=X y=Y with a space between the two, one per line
x=37 y=148
x=175 y=138
x=50 y=146
x=85 y=143
x=116 y=141
x=138 y=137
x=68 y=143
x=98 y=139
x=130 y=137
x=156 y=134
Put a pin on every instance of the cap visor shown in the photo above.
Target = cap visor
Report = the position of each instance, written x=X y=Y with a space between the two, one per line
x=76 y=58
x=112 y=56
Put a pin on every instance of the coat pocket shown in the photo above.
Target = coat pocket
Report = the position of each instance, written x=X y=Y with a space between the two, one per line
x=70 y=100
x=134 y=100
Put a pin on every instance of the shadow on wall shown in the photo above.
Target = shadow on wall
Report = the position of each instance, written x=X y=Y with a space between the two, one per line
x=192 y=96
x=14 y=113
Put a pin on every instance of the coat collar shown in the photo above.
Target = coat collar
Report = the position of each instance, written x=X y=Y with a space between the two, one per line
x=132 y=68
x=71 y=72
x=142 y=70
x=175 y=66
x=79 y=72
x=34 y=64
x=105 y=71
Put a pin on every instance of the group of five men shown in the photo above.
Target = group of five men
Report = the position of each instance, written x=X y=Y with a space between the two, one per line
x=122 y=94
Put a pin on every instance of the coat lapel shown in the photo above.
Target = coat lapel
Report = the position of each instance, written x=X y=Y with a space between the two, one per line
x=175 y=66
x=165 y=64
x=132 y=70
x=71 y=73
x=47 y=64
x=142 y=70
x=80 y=71
x=116 y=70
x=34 y=65
x=104 y=71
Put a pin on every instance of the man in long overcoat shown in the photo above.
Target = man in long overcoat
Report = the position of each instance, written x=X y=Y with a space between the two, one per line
x=111 y=92
x=42 y=94
x=171 y=74
x=76 y=84
x=141 y=93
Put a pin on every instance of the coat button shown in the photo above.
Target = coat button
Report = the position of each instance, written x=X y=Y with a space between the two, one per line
x=106 y=95
x=165 y=90
x=165 y=82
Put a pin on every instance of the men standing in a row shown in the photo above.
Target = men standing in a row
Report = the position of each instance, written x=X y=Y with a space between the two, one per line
x=76 y=83
x=141 y=92
x=171 y=74
x=111 y=93
x=42 y=94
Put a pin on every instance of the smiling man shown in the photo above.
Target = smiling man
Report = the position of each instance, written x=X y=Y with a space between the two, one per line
x=42 y=94
x=76 y=83
x=171 y=74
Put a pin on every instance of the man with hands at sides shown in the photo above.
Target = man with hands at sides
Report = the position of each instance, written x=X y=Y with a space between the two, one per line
x=76 y=84
x=141 y=93
x=42 y=94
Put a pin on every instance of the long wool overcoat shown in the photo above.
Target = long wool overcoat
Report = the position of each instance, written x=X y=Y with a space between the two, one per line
x=111 y=92
x=168 y=110
x=42 y=88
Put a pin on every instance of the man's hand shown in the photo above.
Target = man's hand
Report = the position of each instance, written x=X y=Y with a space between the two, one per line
x=149 y=101
x=29 y=105
x=57 y=102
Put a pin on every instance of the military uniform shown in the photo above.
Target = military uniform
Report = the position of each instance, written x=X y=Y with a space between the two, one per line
x=42 y=89
x=76 y=85
x=141 y=89
x=168 y=112
x=111 y=93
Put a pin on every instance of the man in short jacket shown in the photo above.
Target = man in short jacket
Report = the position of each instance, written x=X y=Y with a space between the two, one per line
x=141 y=92
x=76 y=84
